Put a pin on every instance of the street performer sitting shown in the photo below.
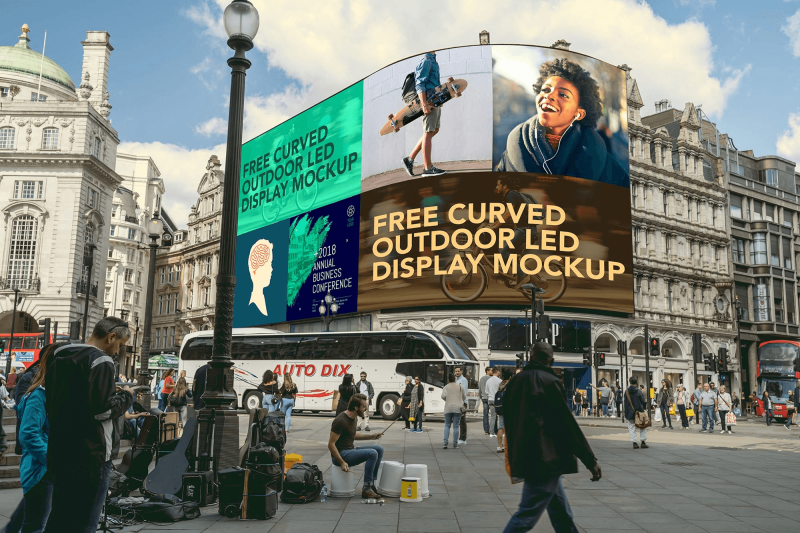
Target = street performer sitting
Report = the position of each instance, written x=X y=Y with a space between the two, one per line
x=345 y=455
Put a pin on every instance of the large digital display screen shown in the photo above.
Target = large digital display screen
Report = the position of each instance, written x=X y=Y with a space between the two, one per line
x=466 y=176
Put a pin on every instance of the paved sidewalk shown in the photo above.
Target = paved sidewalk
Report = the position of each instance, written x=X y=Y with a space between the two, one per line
x=686 y=482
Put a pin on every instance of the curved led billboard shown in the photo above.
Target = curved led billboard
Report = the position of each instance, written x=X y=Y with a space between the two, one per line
x=466 y=176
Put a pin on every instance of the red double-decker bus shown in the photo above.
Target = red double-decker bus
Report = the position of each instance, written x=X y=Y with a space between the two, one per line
x=775 y=374
x=26 y=346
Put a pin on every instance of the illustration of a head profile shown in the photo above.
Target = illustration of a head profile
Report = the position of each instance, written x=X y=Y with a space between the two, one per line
x=260 y=268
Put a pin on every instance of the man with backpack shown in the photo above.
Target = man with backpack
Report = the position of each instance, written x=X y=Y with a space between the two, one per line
x=345 y=455
x=543 y=440
x=426 y=79
x=635 y=403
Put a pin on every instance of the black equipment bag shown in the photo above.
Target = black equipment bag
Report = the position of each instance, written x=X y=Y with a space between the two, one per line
x=268 y=461
x=409 y=90
x=303 y=484
x=156 y=509
x=199 y=487
x=273 y=430
x=262 y=454
x=259 y=501
x=231 y=489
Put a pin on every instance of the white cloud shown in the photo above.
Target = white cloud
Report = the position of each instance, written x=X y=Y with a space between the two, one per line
x=181 y=169
x=788 y=144
x=326 y=46
x=792 y=30
x=214 y=126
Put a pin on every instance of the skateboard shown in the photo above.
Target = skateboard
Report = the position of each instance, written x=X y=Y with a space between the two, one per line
x=445 y=92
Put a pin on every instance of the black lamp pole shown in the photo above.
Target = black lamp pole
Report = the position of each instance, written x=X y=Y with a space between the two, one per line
x=88 y=260
x=144 y=369
x=241 y=24
x=13 y=325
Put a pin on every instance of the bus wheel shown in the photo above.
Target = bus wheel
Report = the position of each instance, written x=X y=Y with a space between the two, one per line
x=388 y=407
x=252 y=400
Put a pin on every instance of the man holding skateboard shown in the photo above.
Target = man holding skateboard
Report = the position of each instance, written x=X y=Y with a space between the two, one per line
x=426 y=79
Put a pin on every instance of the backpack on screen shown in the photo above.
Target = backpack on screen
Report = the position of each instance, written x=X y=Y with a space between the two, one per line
x=498 y=401
x=409 y=88
x=273 y=430
x=303 y=484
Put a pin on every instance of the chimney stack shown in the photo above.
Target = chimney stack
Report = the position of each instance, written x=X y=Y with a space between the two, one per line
x=96 y=53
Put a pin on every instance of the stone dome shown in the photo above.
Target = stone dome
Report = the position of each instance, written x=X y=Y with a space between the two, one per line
x=20 y=58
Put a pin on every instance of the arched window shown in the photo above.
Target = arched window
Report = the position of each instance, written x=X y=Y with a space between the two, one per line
x=50 y=139
x=96 y=148
x=7 y=137
x=88 y=234
x=462 y=333
x=22 y=255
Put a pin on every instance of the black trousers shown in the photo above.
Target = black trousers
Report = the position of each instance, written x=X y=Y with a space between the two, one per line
x=462 y=428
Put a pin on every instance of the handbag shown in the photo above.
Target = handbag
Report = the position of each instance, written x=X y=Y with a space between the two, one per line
x=730 y=419
x=641 y=418
x=689 y=412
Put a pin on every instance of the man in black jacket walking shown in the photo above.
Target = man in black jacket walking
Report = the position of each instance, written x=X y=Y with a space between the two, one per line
x=82 y=404
x=542 y=441
x=635 y=402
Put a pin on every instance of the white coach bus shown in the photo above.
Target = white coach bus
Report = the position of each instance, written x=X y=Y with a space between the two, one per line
x=318 y=362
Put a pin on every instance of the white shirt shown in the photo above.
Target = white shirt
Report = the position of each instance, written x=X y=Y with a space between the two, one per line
x=363 y=389
x=491 y=387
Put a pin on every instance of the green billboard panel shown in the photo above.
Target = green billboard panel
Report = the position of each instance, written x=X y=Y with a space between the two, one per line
x=309 y=161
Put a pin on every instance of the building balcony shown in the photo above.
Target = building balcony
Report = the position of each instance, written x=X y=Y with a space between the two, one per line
x=28 y=284
x=82 y=286
x=131 y=219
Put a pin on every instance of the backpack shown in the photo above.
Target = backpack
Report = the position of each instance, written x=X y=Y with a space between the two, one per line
x=303 y=484
x=498 y=401
x=409 y=88
x=273 y=430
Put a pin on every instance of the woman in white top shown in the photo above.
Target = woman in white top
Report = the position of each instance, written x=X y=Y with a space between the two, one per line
x=723 y=406
x=453 y=396
x=682 y=402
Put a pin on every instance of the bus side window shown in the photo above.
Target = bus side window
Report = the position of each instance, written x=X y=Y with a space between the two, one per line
x=306 y=348
x=198 y=349
x=420 y=347
x=411 y=370
x=29 y=343
x=336 y=347
x=434 y=374
x=381 y=347
x=287 y=349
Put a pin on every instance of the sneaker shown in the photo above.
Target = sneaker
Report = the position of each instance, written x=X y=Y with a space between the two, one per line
x=787 y=428
x=419 y=431
x=462 y=442
x=635 y=446
x=722 y=431
x=433 y=171
x=492 y=436
x=455 y=446
x=408 y=163
x=444 y=447
x=366 y=428
x=367 y=492
x=730 y=432
x=644 y=445
x=500 y=449
x=702 y=431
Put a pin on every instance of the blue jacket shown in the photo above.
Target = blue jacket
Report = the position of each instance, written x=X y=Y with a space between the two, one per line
x=426 y=75
x=34 y=430
x=581 y=154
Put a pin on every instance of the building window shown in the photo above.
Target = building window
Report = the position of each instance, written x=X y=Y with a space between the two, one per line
x=113 y=229
x=92 y=198
x=88 y=233
x=132 y=234
x=114 y=211
x=7 y=138
x=36 y=97
x=774 y=251
x=736 y=206
x=169 y=302
x=126 y=296
x=777 y=298
x=160 y=304
x=790 y=307
x=29 y=190
x=96 y=148
x=787 y=218
x=787 y=253
x=107 y=293
x=771 y=175
x=131 y=255
x=669 y=295
x=22 y=253
x=175 y=302
x=208 y=265
x=108 y=272
x=128 y=275
x=158 y=336
x=162 y=274
x=761 y=300
x=50 y=139
x=3 y=92
x=137 y=297
x=189 y=297
x=758 y=209
x=212 y=204
x=668 y=244
x=758 y=249
x=697 y=211
x=171 y=336
x=636 y=239
x=139 y=279
x=665 y=198
x=178 y=273
x=693 y=296
x=713 y=216
x=738 y=250
x=110 y=251
x=204 y=295
x=170 y=272
x=770 y=212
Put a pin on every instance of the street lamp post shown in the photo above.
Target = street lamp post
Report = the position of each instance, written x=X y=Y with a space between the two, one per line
x=13 y=325
x=241 y=24
x=123 y=314
x=738 y=306
x=328 y=309
x=88 y=260
x=154 y=229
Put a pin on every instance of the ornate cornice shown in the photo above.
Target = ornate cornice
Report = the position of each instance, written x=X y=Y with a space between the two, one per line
x=96 y=166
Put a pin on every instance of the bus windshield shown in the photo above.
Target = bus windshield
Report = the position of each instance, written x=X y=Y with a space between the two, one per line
x=779 y=351
x=456 y=347
x=778 y=389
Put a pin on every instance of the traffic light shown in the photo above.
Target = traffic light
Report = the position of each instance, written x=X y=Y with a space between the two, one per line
x=75 y=329
x=710 y=362
x=600 y=359
x=697 y=347
x=722 y=359
x=543 y=328
x=655 y=347
x=622 y=348
x=45 y=330
x=587 y=357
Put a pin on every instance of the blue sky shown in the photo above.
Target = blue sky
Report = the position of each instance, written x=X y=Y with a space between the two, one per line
x=169 y=81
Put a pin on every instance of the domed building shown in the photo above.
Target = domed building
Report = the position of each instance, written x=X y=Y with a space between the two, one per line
x=58 y=155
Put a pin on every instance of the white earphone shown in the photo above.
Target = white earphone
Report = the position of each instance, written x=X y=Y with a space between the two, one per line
x=578 y=116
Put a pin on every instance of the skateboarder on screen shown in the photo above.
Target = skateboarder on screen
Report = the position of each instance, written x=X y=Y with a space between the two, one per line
x=426 y=79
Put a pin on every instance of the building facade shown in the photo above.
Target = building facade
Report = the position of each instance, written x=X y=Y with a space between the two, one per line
x=186 y=273
x=57 y=182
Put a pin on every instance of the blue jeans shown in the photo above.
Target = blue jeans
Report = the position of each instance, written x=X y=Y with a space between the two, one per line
x=708 y=417
x=163 y=401
x=418 y=420
x=286 y=407
x=485 y=415
x=538 y=496
x=38 y=501
x=665 y=419
x=605 y=409
x=372 y=455
x=266 y=403
x=577 y=409
x=770 y=416
x=15 y=522
x=451 y=419
x=78 y=497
